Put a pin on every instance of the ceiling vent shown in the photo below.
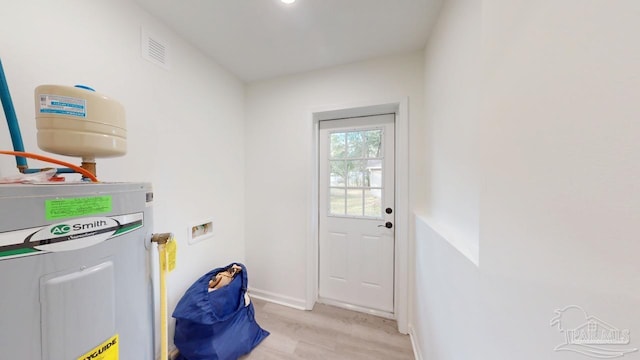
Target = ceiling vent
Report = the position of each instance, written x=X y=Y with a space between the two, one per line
x=155 y=49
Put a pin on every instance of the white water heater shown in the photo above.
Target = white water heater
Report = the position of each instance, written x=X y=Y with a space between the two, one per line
x=75 y=264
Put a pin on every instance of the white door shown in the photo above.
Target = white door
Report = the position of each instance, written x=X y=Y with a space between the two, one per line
x=356 y=215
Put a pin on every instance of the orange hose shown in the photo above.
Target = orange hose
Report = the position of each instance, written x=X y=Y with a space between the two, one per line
x=76 y=168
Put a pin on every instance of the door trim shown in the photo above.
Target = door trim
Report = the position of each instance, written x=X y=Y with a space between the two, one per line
x=401 y=108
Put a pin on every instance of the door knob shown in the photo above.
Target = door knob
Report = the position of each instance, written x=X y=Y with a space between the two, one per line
x=388 y=225
x=388 y=210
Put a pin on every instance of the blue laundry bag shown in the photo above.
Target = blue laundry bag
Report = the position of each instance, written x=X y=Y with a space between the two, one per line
x=216 y=325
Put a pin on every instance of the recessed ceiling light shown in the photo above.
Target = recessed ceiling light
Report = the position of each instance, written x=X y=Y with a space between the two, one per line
x=288 y=1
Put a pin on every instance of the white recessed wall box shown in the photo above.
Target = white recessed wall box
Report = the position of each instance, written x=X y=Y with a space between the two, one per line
x=199 y=231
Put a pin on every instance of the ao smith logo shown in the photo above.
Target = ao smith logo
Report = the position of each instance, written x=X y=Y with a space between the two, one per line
x=69 y=235
x=73 y=234
x=64 y=228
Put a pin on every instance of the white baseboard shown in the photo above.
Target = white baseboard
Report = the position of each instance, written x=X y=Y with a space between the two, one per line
x=417 y=353
x=284 y=300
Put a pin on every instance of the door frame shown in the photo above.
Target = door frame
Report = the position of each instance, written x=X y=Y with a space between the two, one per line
x=401 y=284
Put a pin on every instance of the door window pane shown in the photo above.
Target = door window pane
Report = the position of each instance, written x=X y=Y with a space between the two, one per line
x=354 y=202
x=338 y=172
x=337 y=201
x=374 y=173
x=372 y=202
x=373 y=143
x=355 y=144
x=355 y=174
x=337 y=145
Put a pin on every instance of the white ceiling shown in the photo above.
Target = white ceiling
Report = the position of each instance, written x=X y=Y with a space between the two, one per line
x=259 y=39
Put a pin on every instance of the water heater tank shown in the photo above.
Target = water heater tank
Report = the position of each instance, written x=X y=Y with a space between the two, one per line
x=77 y=121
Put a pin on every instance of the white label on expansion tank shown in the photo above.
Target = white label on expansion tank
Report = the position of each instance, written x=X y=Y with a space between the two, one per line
x=63 y=105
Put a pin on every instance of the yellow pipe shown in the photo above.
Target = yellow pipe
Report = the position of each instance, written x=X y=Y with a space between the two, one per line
x=162 y=240
x=164 y=335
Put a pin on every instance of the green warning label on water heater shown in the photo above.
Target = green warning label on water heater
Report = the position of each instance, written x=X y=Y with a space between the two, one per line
x=74 y=207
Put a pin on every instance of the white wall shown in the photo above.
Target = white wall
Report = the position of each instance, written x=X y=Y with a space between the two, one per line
x=559 y=205
x=185 y=126
x=453 y=64
x=278 y=155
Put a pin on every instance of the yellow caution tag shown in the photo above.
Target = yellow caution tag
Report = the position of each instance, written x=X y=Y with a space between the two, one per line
x=108 y=350
x=171 y=254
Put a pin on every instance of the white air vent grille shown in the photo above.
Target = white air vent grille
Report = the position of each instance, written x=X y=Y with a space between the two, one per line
x=155 y=49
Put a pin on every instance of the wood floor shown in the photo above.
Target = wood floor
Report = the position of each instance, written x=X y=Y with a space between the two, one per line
x=327 y=333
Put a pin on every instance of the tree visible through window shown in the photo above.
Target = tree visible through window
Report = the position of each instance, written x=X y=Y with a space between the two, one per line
x=355 y=173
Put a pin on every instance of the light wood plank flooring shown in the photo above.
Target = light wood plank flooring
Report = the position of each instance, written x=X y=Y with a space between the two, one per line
x=327 y=333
